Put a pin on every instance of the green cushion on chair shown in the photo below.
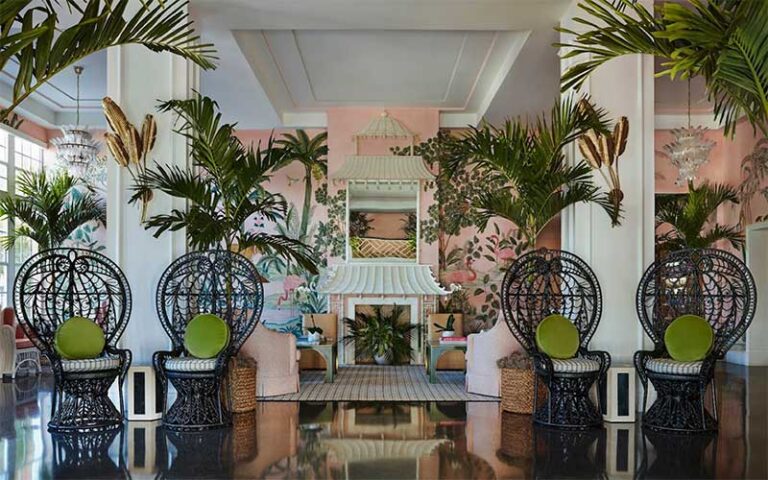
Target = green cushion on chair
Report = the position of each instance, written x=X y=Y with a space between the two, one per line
x=688 y=338
x=557 y=337
x=78 y=339
x=206 y=335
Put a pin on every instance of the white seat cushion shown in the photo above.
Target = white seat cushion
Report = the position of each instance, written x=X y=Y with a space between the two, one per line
x=190 y=364
x=575 y=365
x=673 y=367
x=91 y=364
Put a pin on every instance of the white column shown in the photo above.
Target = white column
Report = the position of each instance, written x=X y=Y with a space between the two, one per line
x=619 y=256
x=136 y=79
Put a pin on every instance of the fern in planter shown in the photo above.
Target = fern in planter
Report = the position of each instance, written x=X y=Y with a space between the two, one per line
x=381 y=335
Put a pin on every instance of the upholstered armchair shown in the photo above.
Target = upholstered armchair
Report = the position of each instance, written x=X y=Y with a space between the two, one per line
x=546 y=282
x=483 y=350
x=278 y=361
x=52 y=287
x=217 y=282
x=16 y=350
x=714 y=285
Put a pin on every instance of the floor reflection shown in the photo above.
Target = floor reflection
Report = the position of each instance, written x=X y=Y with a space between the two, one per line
x=386 y=440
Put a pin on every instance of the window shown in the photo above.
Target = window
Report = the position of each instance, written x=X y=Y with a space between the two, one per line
x=16 y=154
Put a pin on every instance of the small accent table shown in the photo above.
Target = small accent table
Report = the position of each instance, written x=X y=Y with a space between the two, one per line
x=434 y=350
x=328 y=351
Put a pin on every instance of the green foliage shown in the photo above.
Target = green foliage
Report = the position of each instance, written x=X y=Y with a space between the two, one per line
x=381 y=334
x=330 y=238
x=455 y=192
x=33 y=36
x=49 y=208
x=529 y=160
x=724 y=41
x=311 y=153
x=308 y=299
x=359 y=223
x=690 y=218
x=754 y=171
x=448 y=327
x=223 y=188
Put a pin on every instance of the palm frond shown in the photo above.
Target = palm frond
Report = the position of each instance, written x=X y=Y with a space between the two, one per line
x=33 y=37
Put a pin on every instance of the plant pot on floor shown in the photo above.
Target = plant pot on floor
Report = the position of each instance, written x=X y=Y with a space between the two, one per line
x=382 y=360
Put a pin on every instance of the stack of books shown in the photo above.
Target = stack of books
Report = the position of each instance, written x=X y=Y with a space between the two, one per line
x=304 y=340
x=453 y=339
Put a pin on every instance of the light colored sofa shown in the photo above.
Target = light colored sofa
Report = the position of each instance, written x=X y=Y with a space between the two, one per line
x=483 y=350
x=278 y=361
x=16 y=349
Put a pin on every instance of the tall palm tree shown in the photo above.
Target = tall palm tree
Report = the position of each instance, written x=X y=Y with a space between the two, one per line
x=47 y=210
x=35 y=38
x=311 y=153
x=724 y=41
x=690 y=218
x=223 y=187
x=530 y=160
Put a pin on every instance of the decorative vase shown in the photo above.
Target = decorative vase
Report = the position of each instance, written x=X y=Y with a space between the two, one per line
x=381 y=360
x=314 y=337
x=447 y=333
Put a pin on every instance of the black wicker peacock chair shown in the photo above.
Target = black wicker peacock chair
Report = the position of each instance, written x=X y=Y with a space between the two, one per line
x=54 y=286
x=219 y=282
x=546 y=282
x=713 y=284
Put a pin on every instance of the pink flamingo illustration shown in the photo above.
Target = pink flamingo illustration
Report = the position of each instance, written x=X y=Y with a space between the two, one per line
x=290 y=283
x=462 y=276
x=504 y=254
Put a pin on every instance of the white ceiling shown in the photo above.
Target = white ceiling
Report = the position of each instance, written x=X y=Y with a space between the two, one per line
x=282 y=62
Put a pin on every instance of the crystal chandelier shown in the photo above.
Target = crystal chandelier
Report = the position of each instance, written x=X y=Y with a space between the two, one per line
x=76 y=149
x=689 y=150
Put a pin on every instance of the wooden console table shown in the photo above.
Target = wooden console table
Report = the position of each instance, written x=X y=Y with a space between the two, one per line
x=434 y=350
x=328 y=352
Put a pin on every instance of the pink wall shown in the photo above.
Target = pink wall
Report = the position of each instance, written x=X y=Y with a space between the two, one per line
x=724 y=166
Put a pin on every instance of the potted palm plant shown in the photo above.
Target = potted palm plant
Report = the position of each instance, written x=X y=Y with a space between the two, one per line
x=688 y=218
x=530 y=160
x=49 y=208
x=223 y=187
x=380 y=335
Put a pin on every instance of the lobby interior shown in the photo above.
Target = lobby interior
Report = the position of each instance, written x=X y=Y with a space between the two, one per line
x=377 y=239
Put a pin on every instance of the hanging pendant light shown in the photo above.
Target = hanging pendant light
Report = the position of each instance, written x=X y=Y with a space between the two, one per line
x=76 y=148
x=689 y=150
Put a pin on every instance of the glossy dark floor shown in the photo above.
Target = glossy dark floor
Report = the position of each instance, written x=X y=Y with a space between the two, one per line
x=426 y=440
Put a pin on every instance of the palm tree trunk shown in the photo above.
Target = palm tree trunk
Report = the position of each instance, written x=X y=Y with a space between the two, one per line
x=307 y=199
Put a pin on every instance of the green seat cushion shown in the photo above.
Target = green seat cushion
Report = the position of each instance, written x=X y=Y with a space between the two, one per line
x=78 y=339
x=688 y=338
x=557 y=337
x=207 y=335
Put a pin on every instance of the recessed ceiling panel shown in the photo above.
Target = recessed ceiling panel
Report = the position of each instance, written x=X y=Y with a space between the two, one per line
x=380 y=66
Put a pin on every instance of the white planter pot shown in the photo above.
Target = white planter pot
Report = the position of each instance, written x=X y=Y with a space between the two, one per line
x=447 y=333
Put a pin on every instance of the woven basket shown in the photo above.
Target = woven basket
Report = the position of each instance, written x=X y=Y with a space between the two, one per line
x=517 y=390
x=517 y=440
x=241 y=384
x=244 y=435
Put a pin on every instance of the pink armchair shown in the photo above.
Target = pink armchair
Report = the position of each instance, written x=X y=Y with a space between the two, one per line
x=278 y=361
x=483 y=350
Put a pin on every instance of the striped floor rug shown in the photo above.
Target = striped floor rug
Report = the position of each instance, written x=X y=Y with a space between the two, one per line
x=401 y=383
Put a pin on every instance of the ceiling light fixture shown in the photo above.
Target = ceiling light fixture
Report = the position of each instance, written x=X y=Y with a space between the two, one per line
x=76 y=148
x=690 y=149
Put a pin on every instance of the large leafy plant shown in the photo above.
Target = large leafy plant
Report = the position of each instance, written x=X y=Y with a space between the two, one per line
x=227 y=202
x=724 y=41
x=689 y=218
x=529 y=160
x=33 y=36
x=380 y=334
x=48 y=208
